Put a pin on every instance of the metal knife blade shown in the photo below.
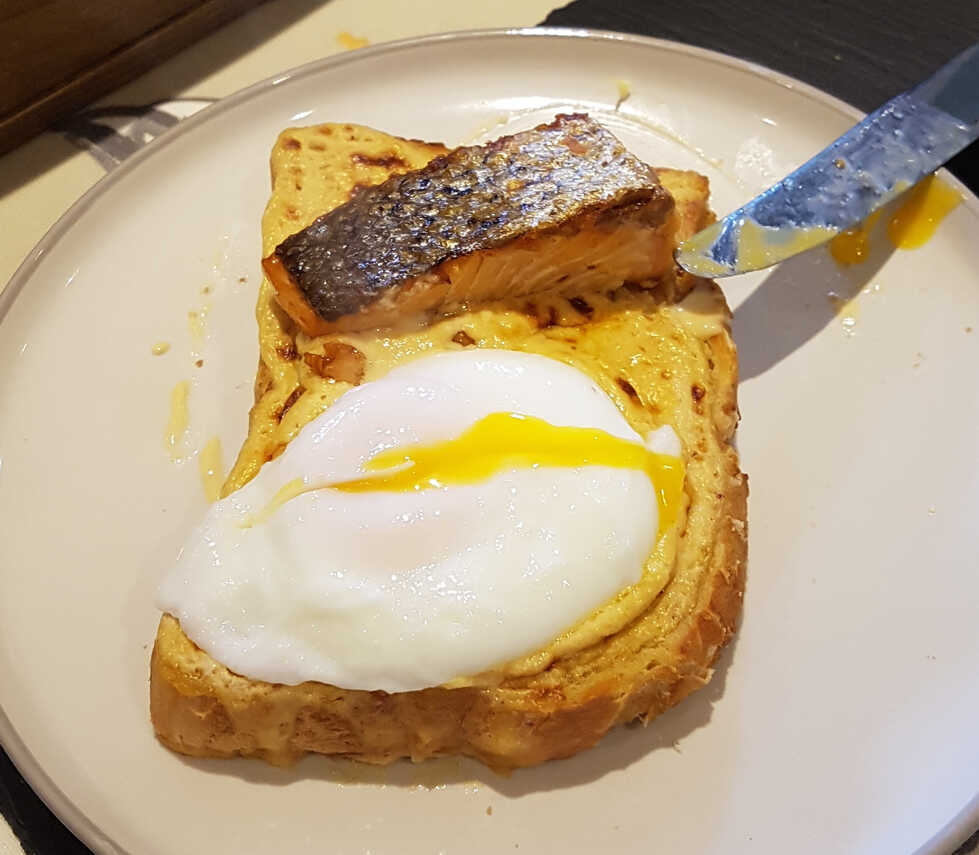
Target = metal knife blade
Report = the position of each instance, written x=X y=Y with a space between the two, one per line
x=871 y=164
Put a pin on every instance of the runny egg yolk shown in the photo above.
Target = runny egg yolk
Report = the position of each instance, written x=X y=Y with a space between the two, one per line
x=928 y=203
x=498 y=442
x=912 y=225
x=852 y=246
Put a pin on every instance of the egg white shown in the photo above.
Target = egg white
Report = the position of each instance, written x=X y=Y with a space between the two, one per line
x=402 y=591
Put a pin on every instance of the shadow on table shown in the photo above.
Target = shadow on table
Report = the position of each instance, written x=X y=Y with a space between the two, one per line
x=622 y=748
x=177 y=74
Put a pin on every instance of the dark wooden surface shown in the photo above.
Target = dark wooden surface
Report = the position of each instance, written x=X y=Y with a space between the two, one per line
x=861 y=52
x=864 y=53
x=59 y=55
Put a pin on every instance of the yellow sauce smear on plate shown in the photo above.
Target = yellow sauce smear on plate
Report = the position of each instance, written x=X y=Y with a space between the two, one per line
x=911 y=226
x=179 y=419
x=499 y=442
x=211 y=468
x=924 y=208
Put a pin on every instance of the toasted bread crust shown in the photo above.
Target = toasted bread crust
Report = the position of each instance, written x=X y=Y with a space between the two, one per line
x=200 y=708
x=504 y=729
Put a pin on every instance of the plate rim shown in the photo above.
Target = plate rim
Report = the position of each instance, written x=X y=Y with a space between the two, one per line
x=959 y=826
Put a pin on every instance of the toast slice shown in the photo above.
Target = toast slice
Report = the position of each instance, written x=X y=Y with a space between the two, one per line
x=660 y=362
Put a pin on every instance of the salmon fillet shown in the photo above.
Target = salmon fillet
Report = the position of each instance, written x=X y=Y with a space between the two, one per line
x=563 y=208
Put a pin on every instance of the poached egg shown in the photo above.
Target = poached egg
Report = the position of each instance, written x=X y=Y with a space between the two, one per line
x=457 y=513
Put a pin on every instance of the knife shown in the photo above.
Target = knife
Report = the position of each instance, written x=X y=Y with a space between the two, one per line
x=871 y=164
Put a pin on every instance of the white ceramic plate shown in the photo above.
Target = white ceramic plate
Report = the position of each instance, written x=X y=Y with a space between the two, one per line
x=841 y=719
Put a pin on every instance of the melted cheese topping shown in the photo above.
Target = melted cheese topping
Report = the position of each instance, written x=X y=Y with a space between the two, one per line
x=703 y=312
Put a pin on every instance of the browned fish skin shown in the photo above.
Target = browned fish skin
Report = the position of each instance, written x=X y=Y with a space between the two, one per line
x=472 y=199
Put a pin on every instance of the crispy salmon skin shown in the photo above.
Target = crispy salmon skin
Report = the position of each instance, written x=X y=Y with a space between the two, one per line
x=562 y=208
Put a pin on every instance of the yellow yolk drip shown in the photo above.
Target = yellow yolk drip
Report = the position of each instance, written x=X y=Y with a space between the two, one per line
x=926 y=206
x=758 y=246
x=911 y=226
x=756 y=251
x=286 y=493
x=179 y=419
x=852 y=246
x=211 y=469
x=498 y=442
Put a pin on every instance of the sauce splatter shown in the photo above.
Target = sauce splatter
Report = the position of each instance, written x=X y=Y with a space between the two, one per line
x=911 y=226
x=197 y=324
x=348 y=41
x=852 y=246
x=178 y=421
x=211 y=468
x=624 y=90
x=924 y=207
